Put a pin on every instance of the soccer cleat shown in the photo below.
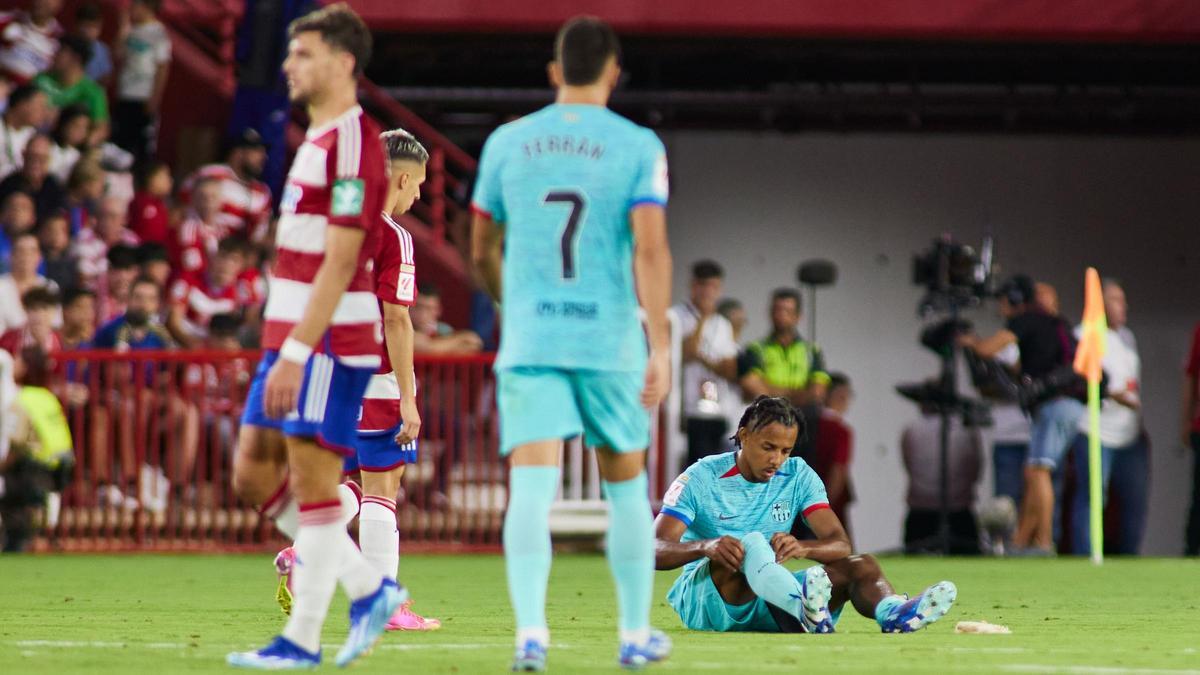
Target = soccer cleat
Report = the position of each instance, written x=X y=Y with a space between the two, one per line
x=929 y=606
x=281 y=654
x=636 y=657
x=284 y=561
x=406 y=619
x=817 y=589
x=530 y=658
x=369 y=619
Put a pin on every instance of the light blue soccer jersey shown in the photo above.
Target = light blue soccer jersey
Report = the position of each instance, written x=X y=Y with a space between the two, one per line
x=713 y=499
x=562 y=182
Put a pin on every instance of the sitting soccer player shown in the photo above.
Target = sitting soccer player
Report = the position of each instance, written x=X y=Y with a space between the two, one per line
x=726 y=522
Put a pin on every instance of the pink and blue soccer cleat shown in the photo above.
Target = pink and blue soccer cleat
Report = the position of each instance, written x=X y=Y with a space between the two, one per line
x=530 y=658
x=369 y=619
x=915 y=614
x=406 y=619
x=285 y=560
x=281 y=654
x=636 y=657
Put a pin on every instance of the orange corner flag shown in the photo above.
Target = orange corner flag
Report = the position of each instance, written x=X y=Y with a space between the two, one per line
x=1095 y=325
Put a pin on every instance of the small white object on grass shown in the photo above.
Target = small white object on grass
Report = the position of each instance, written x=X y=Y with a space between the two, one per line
x=981 y=627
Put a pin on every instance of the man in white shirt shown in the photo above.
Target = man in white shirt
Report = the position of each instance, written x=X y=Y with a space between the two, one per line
x=709 y=364
x=1123 y=456
x=27 y=110
x=29 y=40
x=144 y=49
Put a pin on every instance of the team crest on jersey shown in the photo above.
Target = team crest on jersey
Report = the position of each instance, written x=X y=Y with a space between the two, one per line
x=347 y=197
x=781 y=512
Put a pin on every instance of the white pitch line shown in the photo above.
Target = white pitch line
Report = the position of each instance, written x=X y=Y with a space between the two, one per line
x=1094 y=670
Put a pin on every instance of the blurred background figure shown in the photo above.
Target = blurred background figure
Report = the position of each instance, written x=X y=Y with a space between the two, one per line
x=835 y=448
x=920 y=449
x=432 y=335
x=1191 y=438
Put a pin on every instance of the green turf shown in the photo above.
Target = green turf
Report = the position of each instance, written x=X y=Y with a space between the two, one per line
x=168 y=614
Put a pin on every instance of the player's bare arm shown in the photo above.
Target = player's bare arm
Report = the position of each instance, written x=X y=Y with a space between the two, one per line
x=652 y=271
x=398 y=336
x=331 y=281
x=831 y=544
x=487 y=239
x=670 y=553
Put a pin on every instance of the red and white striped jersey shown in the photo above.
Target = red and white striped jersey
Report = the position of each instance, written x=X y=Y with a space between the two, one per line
x=201 y=301
x=247 y=203
x=196 y=242
x=26 y=49
x=338 y=178
x=395 y=283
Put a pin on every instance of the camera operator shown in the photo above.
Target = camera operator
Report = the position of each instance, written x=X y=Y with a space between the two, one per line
x=1046 y=345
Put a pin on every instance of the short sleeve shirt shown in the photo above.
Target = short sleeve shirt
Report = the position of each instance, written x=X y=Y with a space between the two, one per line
x=1045 y=342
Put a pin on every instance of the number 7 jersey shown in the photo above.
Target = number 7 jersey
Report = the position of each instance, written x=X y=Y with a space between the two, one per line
x=562 y=182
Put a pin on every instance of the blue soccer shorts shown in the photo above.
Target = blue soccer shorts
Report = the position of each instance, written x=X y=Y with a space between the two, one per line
x=700 y=605
x=327 y=410
x=378 y=452
x=538 y=404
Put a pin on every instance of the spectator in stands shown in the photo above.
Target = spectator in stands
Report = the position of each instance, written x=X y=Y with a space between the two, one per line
x=17 y=216
x=93 y=245
x=154 y=262
x=112 y=295
x=35 y=178
x=202 y=228
x=27 y=112
x=42 y=309
x=85 y=189
x=735 y=314
x=79 y=318
x=29 y=40
x=67 y=84
x=244 y=198
x=70 y=136
x=144 y=50
x=835 y=447
x=1190 y=436
x=89 y=23
x=196 y=298
x=1124 y=464
x=40 y=460
x=58 y=263
x=709 y=363
x=431 y=335
x=24 y=275
x=138 y=327
x=920 y=448
x=149 y=216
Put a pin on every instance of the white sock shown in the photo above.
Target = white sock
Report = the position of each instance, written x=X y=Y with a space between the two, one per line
x=282 y=509
x=539 y=635
x=378 y=536
x=314 y=576
x=350 y=505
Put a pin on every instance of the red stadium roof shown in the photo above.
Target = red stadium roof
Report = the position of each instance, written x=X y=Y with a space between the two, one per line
x=1016 y=20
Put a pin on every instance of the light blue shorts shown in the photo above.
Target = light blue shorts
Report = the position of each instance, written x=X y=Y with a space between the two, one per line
x=538 y=404
x=701 y=607
x=1055 y=425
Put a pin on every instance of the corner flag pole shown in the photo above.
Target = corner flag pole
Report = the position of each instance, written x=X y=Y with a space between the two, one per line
x=1088 y=359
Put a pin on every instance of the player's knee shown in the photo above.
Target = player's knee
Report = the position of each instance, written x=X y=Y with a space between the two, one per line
x=864 y=566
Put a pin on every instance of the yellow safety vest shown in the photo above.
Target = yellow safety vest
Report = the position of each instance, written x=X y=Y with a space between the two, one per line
x=49 y=423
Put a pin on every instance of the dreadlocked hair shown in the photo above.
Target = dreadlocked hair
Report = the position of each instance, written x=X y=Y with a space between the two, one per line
x=768 y=410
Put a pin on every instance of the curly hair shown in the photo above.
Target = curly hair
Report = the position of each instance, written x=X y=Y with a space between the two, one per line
x=768 y=410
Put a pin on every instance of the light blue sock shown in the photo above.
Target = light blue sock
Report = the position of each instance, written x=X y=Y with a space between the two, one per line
x=768 y=579
x=886 y=607
x=631 y=554
x=531 y=491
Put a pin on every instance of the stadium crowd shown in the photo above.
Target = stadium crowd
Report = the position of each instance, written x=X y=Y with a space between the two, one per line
x=101 y=247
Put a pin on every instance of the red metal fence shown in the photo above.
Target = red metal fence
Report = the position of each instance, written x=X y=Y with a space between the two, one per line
x=155 y=433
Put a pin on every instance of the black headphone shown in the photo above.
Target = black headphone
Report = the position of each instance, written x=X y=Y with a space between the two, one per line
x=1018 y=290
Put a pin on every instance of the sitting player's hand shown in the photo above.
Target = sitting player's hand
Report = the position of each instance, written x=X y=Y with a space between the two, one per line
x=658 y=379
x=726 y=551
x=283 y=388
x=787 y=547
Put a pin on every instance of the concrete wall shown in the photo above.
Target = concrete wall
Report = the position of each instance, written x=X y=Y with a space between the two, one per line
x=761 y=203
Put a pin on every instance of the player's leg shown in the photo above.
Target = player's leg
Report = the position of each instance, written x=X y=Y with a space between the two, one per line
x=803 y=596
x=537 y=410
x=619 y=428
x=859 y=580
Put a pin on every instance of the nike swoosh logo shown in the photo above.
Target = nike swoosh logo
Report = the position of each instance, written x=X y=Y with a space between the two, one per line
x=725 y=517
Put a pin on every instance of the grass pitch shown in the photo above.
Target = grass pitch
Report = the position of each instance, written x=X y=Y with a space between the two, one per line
x=182 y=614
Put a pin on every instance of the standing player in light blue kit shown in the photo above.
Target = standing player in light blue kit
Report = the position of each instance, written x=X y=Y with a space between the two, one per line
x=572 y=201
x=726 y=521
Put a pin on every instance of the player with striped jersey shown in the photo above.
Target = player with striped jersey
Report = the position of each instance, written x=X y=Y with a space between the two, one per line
x=321 y=341
x=389 y=423
x=570 y=207
x=727 y=521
